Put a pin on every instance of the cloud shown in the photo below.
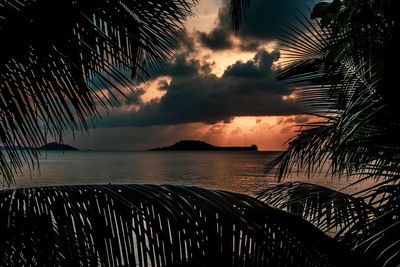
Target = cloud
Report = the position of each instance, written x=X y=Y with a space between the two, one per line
x=194 y=94
x=187 y=43
x=220 y=37
x=299 y=119
x=240 y=132
x=259 y=67
x=288 y=124
x=132 y=99
x=217 y=39
x=236 y=131
x=135 y=97
x=137 y=138
x=183 y=67
x=264 y=21
x=249 y=44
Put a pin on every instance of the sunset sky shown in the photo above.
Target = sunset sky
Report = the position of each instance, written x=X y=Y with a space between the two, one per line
x=219 y=88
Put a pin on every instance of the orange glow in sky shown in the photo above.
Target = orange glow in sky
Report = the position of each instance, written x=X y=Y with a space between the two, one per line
x=267 y=132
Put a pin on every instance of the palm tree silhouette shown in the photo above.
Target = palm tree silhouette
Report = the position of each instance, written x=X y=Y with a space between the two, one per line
x=149 y=225
x=342 y=61
x=54 y=57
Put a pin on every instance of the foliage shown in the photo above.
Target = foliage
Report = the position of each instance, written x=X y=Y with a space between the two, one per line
x=329 y=210
x=58 y=62
x=61 y=60
x=343 y=65
x=366 y=221
x=57 y=57
x=340 y=76
x=148 y=225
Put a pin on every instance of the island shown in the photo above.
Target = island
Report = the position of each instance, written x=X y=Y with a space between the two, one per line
x=57 y=146
x=195 y=145
x=15 y=148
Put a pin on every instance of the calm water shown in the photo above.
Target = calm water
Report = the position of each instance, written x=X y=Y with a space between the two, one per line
x=234 y=171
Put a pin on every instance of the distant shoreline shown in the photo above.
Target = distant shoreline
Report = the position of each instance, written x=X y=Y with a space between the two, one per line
x=53 y=146
x=195 y=145
x=142 y=150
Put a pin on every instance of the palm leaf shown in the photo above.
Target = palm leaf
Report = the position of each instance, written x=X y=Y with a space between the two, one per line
x=147 y=225
x=54 y=57
x=379 y=238
x=341 y=85
x=342 y=66
x=238 y=10
x=330 y=210
x=338 y=63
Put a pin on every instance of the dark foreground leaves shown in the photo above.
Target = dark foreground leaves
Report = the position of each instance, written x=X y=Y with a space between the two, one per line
x=326 y=208
x=147 y=225
x=62 y=63
x=366 y=221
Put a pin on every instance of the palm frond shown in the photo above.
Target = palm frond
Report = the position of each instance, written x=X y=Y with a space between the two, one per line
x=330 y=210
x=147 y=225
x=339 y=65
x=54 y=56
x=341 y=85
x=237 y=10
x=378 y=239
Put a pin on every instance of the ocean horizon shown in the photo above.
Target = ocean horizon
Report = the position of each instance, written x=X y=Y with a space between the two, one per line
x=236 y=171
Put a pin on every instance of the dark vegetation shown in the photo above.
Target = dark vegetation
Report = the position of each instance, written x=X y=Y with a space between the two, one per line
x=48 y=146
x=191 y=145
x=54 y=57
x=58 y=146
x=148 y=225
x=343 y=63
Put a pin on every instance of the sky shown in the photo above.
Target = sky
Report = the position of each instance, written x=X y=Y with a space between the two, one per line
x=219 y=87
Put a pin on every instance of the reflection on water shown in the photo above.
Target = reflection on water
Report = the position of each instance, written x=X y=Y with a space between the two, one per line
x=241 y=172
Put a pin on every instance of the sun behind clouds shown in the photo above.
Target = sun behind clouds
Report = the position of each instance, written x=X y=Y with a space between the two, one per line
x=219 y=88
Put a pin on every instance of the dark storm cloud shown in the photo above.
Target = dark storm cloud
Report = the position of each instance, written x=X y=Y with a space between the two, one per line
x=132 y=98
x=196 y=95
x=217 y=39
x=259 y=67
x=187 y=43
x=264 y=21
x=182 y=67
x=135 y=97
x=250 y=44
x=186 y=47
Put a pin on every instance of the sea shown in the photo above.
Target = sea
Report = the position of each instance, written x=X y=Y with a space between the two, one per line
x=242 y=172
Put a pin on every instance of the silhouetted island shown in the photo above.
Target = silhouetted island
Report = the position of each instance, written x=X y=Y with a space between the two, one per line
x=190 y=145
x=57 y=146
x=16 y=147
